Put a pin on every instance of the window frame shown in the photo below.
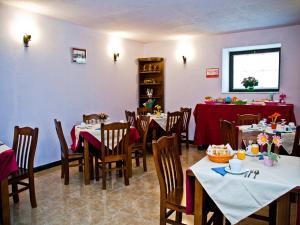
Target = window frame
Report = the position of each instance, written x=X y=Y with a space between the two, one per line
x=252 y=51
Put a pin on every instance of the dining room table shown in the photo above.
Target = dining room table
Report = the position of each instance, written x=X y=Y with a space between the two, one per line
x=8 y=165
x=239 y=196
x=90 y=134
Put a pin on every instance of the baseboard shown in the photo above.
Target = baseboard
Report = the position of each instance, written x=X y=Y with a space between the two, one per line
x=47 y=166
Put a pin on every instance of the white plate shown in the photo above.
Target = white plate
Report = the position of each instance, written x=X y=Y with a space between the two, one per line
x=249 y=153
x=243 y=170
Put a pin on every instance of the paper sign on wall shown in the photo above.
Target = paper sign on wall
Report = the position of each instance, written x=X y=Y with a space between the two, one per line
x=212 y=72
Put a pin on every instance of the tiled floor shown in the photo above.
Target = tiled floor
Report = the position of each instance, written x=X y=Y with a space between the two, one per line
x=78 y=204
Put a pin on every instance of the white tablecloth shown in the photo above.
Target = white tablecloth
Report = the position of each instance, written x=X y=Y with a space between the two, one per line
x=3 y=148
x=238 y=197
x=160 y=120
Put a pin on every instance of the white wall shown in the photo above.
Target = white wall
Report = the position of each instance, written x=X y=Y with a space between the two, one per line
x=40 y=83
x=186 y=85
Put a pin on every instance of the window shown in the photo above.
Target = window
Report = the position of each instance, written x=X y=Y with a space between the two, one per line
x=260 y=62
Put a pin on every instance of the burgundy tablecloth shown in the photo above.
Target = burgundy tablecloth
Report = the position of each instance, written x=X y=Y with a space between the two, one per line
x=8 y=163
x=133 y=136
x=207 y=118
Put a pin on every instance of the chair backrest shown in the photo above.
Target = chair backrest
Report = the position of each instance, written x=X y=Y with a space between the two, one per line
x=248 y=119
x=186 y=118
x=91 y=118
x=296 y=146
x=174 y=122
x=228 y=133
x=143 y=126
x=114 y=141
x=131 y=118
x=24 y=145
x=167 y=164
x=62 y=141
x=143 y=111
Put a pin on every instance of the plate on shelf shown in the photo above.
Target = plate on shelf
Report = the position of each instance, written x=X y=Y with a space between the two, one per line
x=243 y=170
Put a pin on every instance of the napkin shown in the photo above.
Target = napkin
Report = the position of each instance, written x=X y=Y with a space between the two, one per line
x=220 y=170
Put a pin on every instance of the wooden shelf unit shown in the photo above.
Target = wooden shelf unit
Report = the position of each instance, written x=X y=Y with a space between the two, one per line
x=151 y=75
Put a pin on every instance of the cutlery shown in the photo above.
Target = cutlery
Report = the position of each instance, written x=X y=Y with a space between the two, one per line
x=251 y=171
x=256 y=172
x=246 y=173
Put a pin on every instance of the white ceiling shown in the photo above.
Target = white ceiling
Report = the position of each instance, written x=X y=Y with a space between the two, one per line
x=154 y=20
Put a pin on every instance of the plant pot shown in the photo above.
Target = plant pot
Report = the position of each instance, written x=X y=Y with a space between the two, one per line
x=268 y=161
x=273 y=126
x=250 y=88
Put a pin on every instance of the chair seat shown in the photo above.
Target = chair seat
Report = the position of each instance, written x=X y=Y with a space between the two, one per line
x=18 y=175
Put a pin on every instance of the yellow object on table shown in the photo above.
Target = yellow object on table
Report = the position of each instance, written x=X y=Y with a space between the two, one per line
x=254 y=149
x=241 y=154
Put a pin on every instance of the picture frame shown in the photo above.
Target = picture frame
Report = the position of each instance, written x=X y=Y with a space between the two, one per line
x=79 y=55
x=212 y=72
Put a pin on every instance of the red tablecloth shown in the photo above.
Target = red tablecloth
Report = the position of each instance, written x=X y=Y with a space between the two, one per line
x=133 y=136
x=207 y=118
x=8 y=163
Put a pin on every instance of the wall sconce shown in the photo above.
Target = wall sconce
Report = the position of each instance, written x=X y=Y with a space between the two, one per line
x=116 y=56
x=26 y=39
x=184 y=59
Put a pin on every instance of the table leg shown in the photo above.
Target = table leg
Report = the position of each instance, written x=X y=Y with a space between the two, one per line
x=86 y=162
x=283 y=210
x=4 y=202
x=198 y=203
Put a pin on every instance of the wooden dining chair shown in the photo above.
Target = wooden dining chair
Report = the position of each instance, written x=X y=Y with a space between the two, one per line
x=91 y=118
x=247 y=119
x=138 y=149
x=67 y=155
x=296 y=146
x=185 y=124
x=143 y=110
x=228 y=133
x=174 y=125
x=114 y=149
x=170 y=176
x=131 y=118
x=24 y=146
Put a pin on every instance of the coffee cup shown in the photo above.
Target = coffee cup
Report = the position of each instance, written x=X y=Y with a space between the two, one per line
x=235 y=165
x=148 y=114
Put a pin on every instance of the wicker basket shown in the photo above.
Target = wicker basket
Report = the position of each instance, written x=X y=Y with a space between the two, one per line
x=219 y=158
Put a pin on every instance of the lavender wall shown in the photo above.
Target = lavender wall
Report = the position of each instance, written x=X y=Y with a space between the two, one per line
x=40 y=83
x=186 y=85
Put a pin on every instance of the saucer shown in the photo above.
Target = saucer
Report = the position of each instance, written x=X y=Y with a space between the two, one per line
x=243 y=170
x=249 y=153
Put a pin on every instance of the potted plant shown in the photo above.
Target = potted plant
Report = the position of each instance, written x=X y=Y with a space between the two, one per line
x=249 y=83
x=157 y=110
x=269 y=157
x=273 y=118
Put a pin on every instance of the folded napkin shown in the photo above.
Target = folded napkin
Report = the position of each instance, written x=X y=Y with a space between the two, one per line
x=261 y=157
x=220 y=170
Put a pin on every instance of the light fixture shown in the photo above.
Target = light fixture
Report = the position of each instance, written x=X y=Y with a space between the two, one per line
x=116 y=56
x=26 y=39
x=184 y=59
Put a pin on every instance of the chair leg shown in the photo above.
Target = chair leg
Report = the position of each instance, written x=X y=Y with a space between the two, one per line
x=137 y=160
x=126 y=175
x=91 y=162
x=14 y=187
x=162 y=219
x=32 y=192
x=62 y=170
x=97 y=168
x=144 y=160
x=80 y=167
x=187 y=139
x=66 y=172
x=178 y=217
x=103 y=176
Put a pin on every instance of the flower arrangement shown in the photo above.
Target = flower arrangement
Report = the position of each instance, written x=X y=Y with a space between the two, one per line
x=263 y=139
x=103 y=116
x=249 y=82
x=274 y=117
x=157 y=109
x=282 y=97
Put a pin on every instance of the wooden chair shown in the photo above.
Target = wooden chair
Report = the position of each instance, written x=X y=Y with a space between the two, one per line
x=138 y=149
x=296 y=146
x=131 y=118
x=114 y=149
x=143 y=111
x=91 y=118
x=174 y=125
x=67 y=155
x=24 y=146
x=185 y=124
x=248 y=119
x=228 y=133
x=170 y=176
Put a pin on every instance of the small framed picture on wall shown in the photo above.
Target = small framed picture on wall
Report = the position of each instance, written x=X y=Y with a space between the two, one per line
x=78 y=55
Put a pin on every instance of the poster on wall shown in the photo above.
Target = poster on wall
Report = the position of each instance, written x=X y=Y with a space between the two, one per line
x=78 y=55
x=212 y=72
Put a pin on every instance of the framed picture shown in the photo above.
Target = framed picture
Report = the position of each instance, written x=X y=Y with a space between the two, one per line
x=212 y=72
x=78 y=55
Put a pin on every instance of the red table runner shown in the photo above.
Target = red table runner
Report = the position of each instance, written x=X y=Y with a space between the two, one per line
x=207 y=118
x=8 y=163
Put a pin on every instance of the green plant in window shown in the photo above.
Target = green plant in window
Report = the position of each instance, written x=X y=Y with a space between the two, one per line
x=249 y=82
